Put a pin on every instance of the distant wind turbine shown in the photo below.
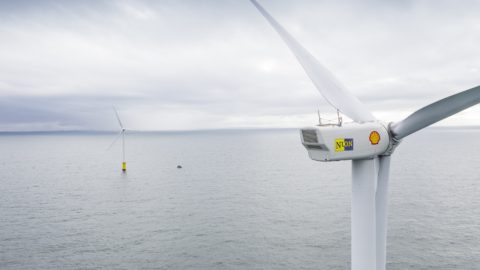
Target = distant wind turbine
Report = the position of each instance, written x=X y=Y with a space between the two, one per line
x=120 y=134
x=369 y=143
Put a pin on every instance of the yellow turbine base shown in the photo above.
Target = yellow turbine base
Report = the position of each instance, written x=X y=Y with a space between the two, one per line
x=124 y=166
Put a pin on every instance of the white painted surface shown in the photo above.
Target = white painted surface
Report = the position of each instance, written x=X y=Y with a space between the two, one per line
x=360 y=133
x=364 y=176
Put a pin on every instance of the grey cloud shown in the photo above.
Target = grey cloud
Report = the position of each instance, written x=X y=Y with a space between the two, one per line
x=219 y=62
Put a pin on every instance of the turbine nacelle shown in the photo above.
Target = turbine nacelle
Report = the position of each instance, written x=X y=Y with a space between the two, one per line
x=347 y=142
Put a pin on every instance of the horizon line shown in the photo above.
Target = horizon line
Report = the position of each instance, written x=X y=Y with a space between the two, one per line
x=193 y=130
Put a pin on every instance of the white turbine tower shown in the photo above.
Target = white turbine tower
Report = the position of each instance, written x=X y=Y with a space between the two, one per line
x=122 y=134
x=369 y=143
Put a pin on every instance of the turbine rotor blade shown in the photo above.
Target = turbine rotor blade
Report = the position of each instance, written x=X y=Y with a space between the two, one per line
x=118 y=117
x=115 y=140
x=435 y=112
x=337 y=95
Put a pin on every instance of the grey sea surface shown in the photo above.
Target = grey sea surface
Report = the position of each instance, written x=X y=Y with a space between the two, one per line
x=244 y=199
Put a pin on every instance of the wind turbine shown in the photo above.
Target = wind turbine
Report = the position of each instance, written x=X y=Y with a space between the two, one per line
x=369 y=143
x=120 y=134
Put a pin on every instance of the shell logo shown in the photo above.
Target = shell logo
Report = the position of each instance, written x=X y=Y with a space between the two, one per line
x=374 y=137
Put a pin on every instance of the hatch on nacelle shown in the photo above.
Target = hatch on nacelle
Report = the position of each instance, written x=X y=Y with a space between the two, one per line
x=345 y=142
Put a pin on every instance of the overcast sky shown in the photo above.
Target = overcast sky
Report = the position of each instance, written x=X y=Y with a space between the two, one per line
x=202 y=64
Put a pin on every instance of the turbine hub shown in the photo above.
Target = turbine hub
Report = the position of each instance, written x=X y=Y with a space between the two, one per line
x=393 y=143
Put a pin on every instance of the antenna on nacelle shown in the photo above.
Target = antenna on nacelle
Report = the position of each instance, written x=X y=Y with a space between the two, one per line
x=340 y=121
x=319 y=118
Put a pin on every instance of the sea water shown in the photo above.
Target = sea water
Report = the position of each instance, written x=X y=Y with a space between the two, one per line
x=244 y=199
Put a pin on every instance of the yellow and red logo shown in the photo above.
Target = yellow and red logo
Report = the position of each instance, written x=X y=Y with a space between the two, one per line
x=374 y=137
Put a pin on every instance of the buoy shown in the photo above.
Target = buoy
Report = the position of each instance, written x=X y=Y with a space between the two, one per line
x=179 y=166
x=124 y=166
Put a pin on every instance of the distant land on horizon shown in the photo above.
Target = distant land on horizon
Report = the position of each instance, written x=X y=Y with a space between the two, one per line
x=239 y=129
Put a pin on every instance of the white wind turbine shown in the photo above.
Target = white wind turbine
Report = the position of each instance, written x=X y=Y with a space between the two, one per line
x=120 y=134
x=369 y=143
